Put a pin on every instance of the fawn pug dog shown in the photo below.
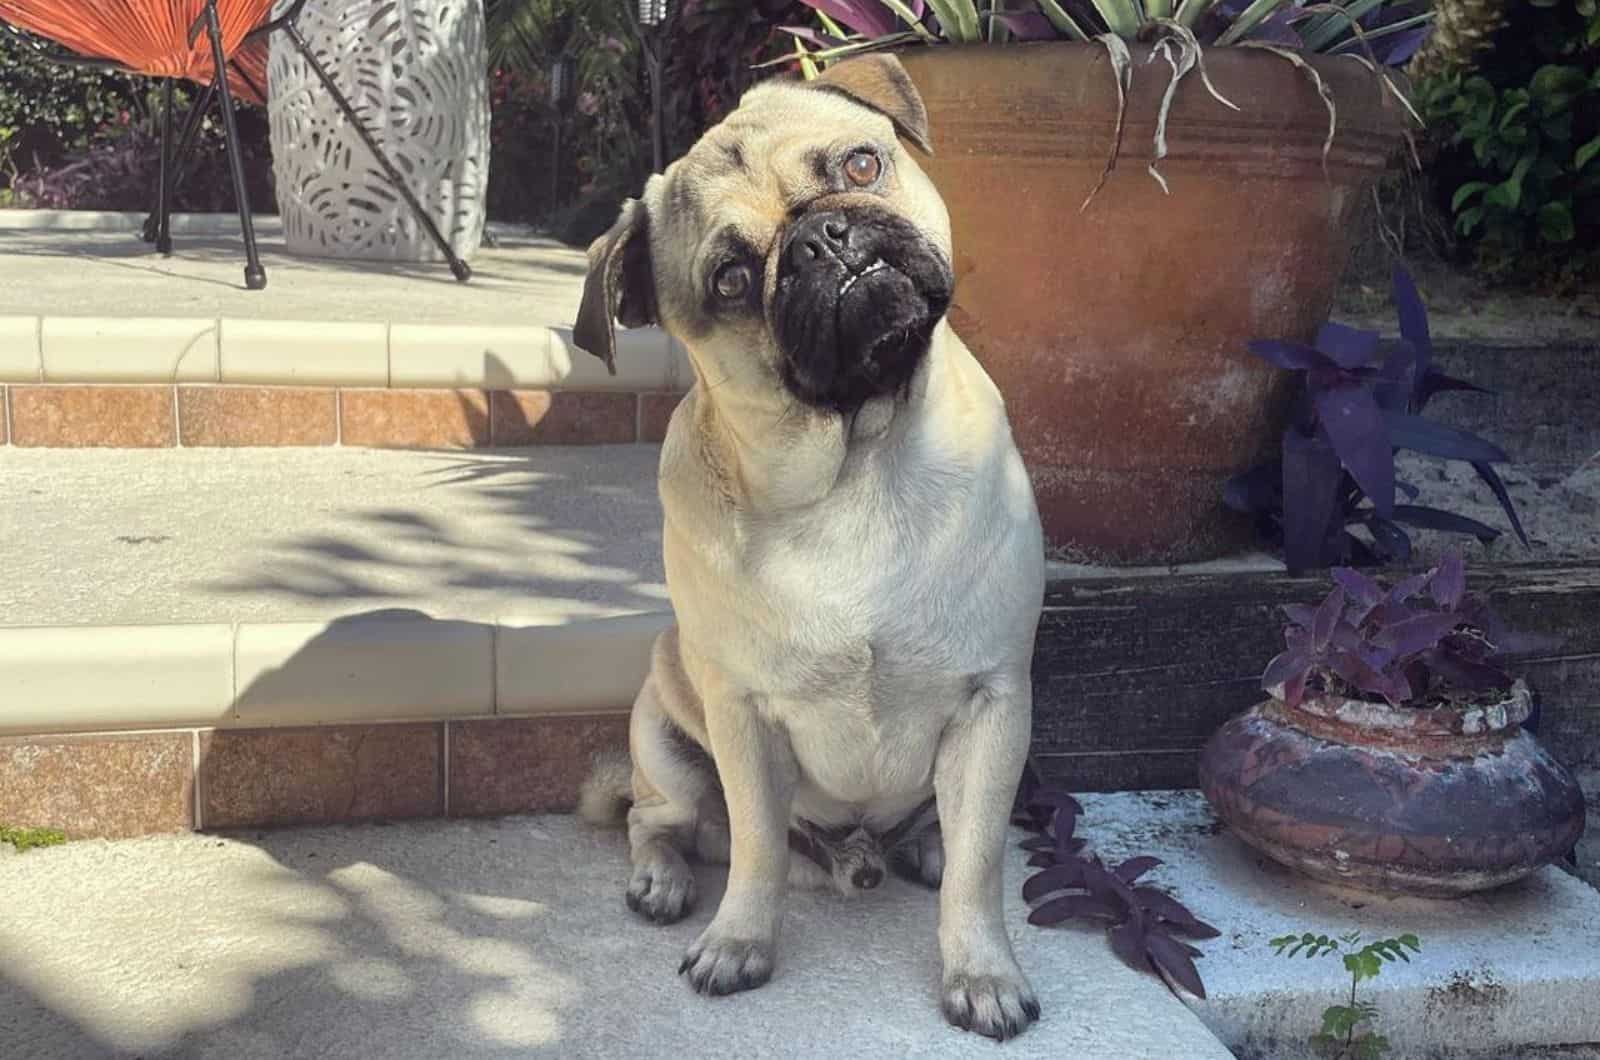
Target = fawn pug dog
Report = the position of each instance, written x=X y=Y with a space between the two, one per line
x=852 y=547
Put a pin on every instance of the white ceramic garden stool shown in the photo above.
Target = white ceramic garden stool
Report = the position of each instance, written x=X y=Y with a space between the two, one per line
x=415 y=74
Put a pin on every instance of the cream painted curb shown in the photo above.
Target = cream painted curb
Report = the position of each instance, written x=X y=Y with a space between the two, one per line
x=304 y=352
x=19 y=349
x=360 y=669
x=328 y=353
x=507 y=357
x=128 y=350
x=552 y=669
x=363 y=669
x=109 y=677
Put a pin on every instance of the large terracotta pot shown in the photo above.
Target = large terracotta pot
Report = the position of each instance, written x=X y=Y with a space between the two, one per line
x=1117 y=334
x=1437 y=803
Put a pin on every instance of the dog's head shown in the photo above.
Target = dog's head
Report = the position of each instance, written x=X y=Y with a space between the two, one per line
x=797 y=245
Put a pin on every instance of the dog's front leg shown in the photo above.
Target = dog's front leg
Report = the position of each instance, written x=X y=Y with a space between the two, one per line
x=979 y=762
x=758 y=773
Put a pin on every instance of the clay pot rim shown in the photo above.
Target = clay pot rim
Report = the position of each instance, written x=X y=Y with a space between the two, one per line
x=1383 y=720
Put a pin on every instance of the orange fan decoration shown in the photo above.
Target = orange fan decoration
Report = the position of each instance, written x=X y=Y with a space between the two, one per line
x=152 y=36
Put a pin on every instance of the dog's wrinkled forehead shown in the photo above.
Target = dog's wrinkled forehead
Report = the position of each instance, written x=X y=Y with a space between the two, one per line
x=767 y=158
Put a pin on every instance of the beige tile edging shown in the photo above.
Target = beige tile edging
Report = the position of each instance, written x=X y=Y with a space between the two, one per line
x=327 y=353
x=256 y=675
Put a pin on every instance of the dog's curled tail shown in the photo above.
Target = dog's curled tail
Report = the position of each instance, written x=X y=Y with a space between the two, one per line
x=607 y=792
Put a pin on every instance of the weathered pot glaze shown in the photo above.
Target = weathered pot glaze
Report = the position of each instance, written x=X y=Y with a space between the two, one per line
x=1117 y=333
x=1436 y=803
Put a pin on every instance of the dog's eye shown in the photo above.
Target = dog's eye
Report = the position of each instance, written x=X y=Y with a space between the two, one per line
x=862 y=168
x=732 y=281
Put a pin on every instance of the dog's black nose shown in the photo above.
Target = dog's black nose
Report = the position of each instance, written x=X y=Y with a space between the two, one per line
x=867 y=877
x=817 y=237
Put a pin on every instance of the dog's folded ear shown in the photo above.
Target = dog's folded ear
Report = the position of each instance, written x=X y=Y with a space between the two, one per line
x=620 y=285
x=879 y=81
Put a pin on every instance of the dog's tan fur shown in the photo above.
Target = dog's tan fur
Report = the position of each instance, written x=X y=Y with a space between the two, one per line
x=856 y=594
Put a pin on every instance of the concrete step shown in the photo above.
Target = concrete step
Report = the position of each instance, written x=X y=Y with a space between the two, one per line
x=495 y=938
x=139 y=537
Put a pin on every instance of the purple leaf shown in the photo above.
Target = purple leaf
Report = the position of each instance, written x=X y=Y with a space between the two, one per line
x=1301 y=615
x=1288 y=669
x=1449 y=581
x=1393 y=541
x=1294 y=356
x=1127 y=942
x=1360 y=675
x=1437 y=383
x=1027 y=25
x=1406 y=588
x=1161 y=904
x=1435 y=439
x=1173 y=958
x=1346 y=346
x=1415 y=635
x=1043 y=859
x=1133 y=868
x=1413 y=319
x=1396 y=378
x=812 y=36
x=1071 y=907
x=1059 y=878
x=1311 y=479
x=1492 y=478
x=1397 y=48
x=1435 y=519
x=1357 y=586
x=1355 y=425
x=867 y=17
x=1038 y=842
x=1327 y=618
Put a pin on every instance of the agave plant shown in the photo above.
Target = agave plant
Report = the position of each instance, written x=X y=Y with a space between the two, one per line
x=1375 y=33
x=1388 y=31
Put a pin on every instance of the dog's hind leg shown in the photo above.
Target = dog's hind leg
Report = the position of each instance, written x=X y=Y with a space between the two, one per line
x=677 y=811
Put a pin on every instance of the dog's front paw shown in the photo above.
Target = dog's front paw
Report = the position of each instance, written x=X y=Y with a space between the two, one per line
x=717 y=965
x=662 y=889
x=998 y=1006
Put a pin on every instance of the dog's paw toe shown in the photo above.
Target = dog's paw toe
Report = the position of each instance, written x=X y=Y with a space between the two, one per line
x=663 y=893
x=719 y=966
x=997 y=1006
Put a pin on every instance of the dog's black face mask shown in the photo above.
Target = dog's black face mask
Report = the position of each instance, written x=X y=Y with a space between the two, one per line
x=859 y=292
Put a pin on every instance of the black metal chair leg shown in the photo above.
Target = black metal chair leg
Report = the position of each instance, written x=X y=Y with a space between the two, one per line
x=191 y=128
x=163 y=190
x=458 y=268
x=255 y=277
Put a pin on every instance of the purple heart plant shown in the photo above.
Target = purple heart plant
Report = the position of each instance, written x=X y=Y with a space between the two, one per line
x=1360 y=401
x=1424 y=642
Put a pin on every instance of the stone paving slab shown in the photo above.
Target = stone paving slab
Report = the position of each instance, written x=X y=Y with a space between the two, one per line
x=56 y=271
x=504 y=938
x=1515 y=972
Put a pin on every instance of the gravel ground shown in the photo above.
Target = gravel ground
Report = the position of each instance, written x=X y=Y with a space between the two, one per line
x=1560 y=509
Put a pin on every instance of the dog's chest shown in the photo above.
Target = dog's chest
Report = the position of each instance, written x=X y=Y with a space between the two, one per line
x=881 y=630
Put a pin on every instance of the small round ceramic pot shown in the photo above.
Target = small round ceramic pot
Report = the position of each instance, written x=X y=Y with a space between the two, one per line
x=1394 y=800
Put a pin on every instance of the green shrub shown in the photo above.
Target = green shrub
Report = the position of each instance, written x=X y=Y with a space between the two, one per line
x=49 y=111
x=1520 y=159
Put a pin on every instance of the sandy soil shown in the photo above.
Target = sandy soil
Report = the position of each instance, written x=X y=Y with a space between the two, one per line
x=1560 y=509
